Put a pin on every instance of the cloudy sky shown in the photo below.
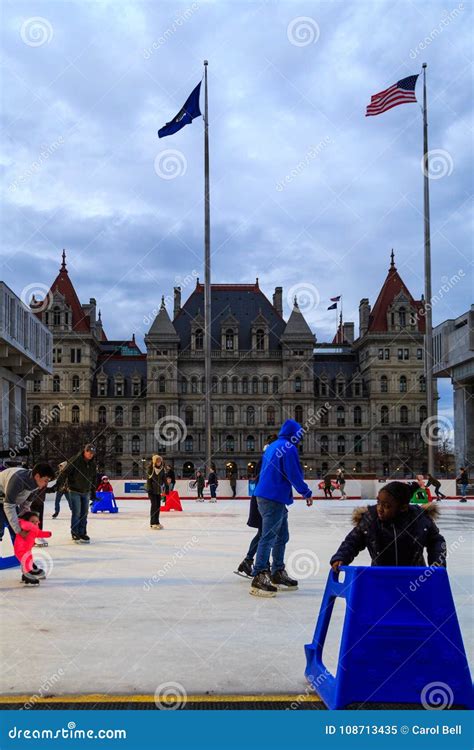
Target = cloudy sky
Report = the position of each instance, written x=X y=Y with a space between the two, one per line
x=306 y=192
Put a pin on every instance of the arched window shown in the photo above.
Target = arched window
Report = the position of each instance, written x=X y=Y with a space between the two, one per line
x=384 y=415
x=188 y=444
x=224 y=385
x=358 y=444
x=404 y=444
x=135 y=416
x=118 y=444
x=404 y=415
x=341 y=445
x=135 y=470
x=250 y=415
x=203 y=385
x=214 y=384
x=324 y=443
x=235 y=385
x=254 y=385
x=275 y=385
x=384 y=384
x=161 y=384
x=75 y=383
x=297 y=384
x=265 y=385
x=189 y=416
x=340 y=416
x=324 y=418
x=271 y=416
x=119 y=416
x=184 y=385
x=384 y=444
x=102 y=415
x=194 y=385
x=250 y=443
x=245 y=385
x=199 y=338
x=402 y=317
x=56 y=316
x=229 y=416
x=403 y=384
x=55 y=414
x=299 y=413
x=422 y=382
x=323 y=388
x=357 y=415
x=229 y=340
x=135 y=445
x=423 y=414
x=36 y=414
x=56 y=384
x=75 y=415
x=260 y=340
x=229 y=443
x=161 y=411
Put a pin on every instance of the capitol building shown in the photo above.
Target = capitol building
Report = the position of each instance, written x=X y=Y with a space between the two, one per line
x=360 y=397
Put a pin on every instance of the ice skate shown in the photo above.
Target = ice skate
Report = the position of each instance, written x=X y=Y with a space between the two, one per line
x=41 y=543
x=29 y=580
x=262 y=585
x=283 y=582
x=244 y=569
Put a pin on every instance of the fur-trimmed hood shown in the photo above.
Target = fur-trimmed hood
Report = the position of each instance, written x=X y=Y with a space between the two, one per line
x=430 y=508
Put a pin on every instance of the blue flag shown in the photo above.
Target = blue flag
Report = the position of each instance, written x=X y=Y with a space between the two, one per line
x=186 y=114
x=333 y=307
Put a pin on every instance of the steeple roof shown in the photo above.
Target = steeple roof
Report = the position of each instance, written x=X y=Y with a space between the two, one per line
x=162 y=326
x=63 y=284
x=297 y=328
x=392 y=287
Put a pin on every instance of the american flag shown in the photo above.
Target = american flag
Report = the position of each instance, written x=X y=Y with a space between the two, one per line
x=401 y=92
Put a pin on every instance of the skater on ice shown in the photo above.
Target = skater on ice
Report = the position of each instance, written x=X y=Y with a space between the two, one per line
x=18 y=489
x=199 y=483
x=24 y=543
x=213 y=483
x=105 y=485
x=155 y=484
x=80 y=478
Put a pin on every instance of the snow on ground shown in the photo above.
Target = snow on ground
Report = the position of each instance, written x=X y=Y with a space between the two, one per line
x=138 y=608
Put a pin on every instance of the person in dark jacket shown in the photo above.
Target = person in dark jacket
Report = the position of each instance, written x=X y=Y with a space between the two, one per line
x=328 y=486
x=233 y=483
x=254 y=520
x=463 y=483
x=200 y=483
x=155 y=483
x=213 y=483
x=170 y=479
x=281 y=471
x=79 y=476
x=393 y=531
x=436 y=484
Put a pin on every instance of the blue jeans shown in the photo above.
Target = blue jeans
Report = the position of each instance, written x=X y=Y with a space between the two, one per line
x=79 y=504
x=57 y=501
x=274 y=537
x=253 y=546
x=213 y=488
x=463 y=488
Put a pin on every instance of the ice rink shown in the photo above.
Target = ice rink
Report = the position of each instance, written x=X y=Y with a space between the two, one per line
x=137 y=609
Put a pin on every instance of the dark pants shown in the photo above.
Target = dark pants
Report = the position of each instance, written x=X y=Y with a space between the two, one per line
x=5 y=525
x=79 y=504
x=274 y=536
x=253 y=546
x=438 y=492
x=57 y=501
x=200 y=492
x=155 y=506
x=213 y=488
x=328 y=492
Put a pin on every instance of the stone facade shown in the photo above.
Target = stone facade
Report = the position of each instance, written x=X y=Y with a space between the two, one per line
x=361 y=401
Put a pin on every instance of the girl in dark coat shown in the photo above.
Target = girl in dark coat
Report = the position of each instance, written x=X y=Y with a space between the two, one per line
x=394 y=532
x=155 y=481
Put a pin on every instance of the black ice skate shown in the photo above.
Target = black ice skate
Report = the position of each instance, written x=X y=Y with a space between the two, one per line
x=244 y=569
x=38 y=572
x=262 y=586
x=29 y=580
x=282 y=580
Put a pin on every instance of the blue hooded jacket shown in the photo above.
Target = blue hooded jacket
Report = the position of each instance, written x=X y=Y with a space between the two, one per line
x=281 y=468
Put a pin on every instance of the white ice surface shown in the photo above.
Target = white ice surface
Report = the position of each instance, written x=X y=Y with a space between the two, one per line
x=101 y=624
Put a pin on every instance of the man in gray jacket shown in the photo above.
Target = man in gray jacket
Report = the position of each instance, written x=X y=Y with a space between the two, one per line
x=18 y=489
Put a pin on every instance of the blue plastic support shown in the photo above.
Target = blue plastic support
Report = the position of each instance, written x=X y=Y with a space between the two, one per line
x=400 y=643
x=11 y=561
x=105 y=502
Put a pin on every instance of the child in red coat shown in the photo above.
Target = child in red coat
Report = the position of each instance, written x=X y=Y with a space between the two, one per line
x=105 y=485
x=23 y=544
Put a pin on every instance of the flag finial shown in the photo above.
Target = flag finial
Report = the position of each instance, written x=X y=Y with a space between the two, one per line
x=63 y=264
x=162 y=301
x=392 y=260
x=295 y=301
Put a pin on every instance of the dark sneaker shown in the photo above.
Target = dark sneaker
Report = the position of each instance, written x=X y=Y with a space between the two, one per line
x=29 y=579
x=245 y=567
x=84 y=539
x=463 y=500
x=282 y=580
x=262 y=585
x=55 y=515
x=37 y=572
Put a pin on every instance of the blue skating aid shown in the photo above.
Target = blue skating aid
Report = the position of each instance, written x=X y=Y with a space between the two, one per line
x=400 y=643
x=11 y=561
x=105 y=502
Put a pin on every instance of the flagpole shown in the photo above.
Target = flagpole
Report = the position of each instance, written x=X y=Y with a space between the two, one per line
x=430 y=407
x=341 y=336
x=207 y=284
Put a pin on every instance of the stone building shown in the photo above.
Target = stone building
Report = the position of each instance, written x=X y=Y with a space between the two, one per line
x=361 y=400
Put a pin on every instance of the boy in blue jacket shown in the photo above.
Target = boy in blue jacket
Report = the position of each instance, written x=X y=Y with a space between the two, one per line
x=281 y=470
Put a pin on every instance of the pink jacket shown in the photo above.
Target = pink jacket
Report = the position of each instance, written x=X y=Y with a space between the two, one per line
x=22 y=545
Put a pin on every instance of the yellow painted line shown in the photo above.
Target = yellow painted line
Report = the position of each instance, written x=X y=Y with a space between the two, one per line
x=98 y=698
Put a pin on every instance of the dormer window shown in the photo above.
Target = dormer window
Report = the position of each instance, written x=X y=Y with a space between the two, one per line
x=102 y=387
x=199 y=339
x=260 y=339
x=119 y=387
x=402 y=317
x=229 y=339
x=56 y=316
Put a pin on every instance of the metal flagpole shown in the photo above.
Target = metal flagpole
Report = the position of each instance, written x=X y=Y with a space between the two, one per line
x=207 y=283
x=430 y=406
x=341 y=335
